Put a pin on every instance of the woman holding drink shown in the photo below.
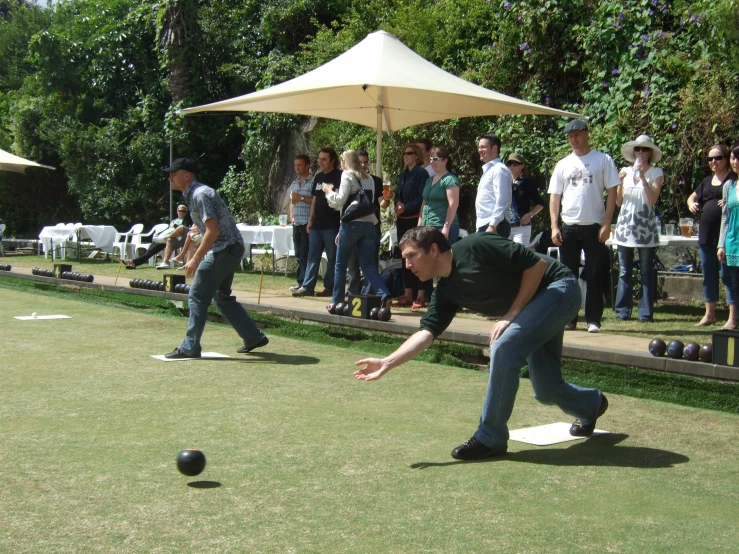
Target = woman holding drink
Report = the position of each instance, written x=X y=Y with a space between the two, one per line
x=636 y=228
x=707 y=198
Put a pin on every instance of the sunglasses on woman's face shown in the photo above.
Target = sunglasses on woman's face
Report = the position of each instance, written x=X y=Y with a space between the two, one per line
x=409 y=153
x=641 y=149
x=511 y=164
x=436 y=158
x=716 y=158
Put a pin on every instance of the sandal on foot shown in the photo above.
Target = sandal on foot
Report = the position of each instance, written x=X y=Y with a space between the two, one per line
x=402 y=302
x=705 y=322
x=418 y=305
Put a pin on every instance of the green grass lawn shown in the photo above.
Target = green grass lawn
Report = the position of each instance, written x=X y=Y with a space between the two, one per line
x=303 y=458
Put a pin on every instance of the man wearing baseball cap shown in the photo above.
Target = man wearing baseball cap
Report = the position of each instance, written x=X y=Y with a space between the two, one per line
x=577 y=187
x=213 y=263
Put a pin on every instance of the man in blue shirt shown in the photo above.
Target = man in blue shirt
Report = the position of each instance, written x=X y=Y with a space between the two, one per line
x=212 y=265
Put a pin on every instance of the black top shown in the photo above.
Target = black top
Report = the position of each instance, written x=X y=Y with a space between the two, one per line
x=410 y=190
x=324 y=216
x=486 y=277
x=378 y=195
x=709 y=227
x=525 y=193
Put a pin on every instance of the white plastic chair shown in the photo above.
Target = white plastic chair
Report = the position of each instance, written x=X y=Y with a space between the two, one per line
x=137 y=242
x=462 y=234
x=123 y=241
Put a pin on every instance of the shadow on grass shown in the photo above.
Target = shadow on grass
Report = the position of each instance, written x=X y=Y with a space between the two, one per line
x=602 y=450
x=204 y=484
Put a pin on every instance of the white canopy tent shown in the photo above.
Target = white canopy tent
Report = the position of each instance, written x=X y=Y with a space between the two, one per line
x=11 y=162
x=383 y=84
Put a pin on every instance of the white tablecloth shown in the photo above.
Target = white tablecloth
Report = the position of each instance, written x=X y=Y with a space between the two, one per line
x=279 y=238
x=102 y=236
x=669 y=241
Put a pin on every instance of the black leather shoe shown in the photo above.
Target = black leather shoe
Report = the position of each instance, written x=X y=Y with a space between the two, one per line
x=325 y=293
x=473 y=449
x=179 y=354
x=579 y=429
x=246 y=349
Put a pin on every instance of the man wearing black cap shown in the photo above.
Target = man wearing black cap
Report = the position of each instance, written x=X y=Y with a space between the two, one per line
x=577 y=186
x=212 y=265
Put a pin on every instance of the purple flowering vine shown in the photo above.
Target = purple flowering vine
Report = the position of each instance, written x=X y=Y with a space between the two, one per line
x=523 y=46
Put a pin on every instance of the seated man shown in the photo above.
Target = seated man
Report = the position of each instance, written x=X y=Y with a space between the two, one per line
x=168 y=240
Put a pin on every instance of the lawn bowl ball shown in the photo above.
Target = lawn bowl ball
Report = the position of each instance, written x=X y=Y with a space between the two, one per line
x=657 y=347
x=191 y=462
x=675 y=349
x=161 y=286
x=347 y=309
x=373 y=313
x=90 y=278
x=384 y=314
x=34 y=315
x=705 y=354
x=339 y=308
x=691 y=351
x=187 y=289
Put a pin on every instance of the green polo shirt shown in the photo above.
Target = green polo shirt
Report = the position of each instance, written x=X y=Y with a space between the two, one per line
x=436 y=202
x=485 y=277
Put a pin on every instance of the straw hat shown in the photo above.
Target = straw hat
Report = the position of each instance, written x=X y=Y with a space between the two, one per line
x=627 y=150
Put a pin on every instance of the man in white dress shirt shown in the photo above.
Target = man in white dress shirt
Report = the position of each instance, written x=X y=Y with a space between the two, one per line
x=495 y=189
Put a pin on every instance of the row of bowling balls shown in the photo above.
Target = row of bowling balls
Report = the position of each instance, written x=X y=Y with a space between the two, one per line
x=5 y=267
x=43 y=272
x=146 y=284
x=676 y=349
x=72 y=276
x=380 y=314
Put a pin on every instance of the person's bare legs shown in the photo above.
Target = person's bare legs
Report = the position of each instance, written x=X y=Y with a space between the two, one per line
x=180 y=258
x=710 y=317
x=731 y=323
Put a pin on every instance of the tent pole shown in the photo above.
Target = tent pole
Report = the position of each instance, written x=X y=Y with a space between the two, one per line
x=171 y=159
x=378 y=162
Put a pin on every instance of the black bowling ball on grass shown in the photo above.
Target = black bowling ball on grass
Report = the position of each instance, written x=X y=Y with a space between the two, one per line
x=347 y=309
x=373 y=313
x=339 y=308
x=675 y=349
x=191 y=462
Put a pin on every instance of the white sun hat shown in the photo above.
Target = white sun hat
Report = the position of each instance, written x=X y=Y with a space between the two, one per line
x=627 y=150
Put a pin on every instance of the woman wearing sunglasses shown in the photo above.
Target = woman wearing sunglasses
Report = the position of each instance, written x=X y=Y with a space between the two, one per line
x=728 y=242
x=707 y=198
x=525 y=193
x=636 y=228
x=408 y=199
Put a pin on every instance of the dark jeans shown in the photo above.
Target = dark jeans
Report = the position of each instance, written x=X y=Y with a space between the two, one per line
x=503 y=229
x=403 y=226
x=153 y=250
x=320 y=240
x=576 y=239
x=353 y=274
x=301 y=243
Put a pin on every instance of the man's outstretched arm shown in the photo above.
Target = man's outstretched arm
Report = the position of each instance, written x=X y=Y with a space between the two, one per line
x=374 y=368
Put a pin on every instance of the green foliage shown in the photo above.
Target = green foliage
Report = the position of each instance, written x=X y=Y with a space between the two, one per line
x=93 y=87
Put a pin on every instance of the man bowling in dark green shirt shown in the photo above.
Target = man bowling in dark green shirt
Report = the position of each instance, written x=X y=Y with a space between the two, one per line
x=534 y=296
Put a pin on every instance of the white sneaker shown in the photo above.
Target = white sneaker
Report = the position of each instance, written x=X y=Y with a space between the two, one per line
x=164 y=265
x=593 y=328
x=294 y=288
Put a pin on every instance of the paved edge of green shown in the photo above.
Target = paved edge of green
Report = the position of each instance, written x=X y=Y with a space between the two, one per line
x=627 y=381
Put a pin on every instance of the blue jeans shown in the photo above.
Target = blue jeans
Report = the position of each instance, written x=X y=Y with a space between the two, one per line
x=213 y=281
x=535 y=336
x=355 y=279
x=711 y=270
x=624 y=296
x=320 y=240
x=359 y=236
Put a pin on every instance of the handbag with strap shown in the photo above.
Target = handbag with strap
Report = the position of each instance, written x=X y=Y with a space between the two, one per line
x=358 y=205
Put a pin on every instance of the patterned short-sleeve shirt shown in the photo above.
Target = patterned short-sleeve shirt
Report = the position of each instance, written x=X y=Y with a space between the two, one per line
x=204 y=204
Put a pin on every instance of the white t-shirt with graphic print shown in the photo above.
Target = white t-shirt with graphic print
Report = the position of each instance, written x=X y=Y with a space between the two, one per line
x=582 y=180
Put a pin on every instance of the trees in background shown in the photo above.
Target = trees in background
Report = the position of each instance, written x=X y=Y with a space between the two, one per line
x=93 y=87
